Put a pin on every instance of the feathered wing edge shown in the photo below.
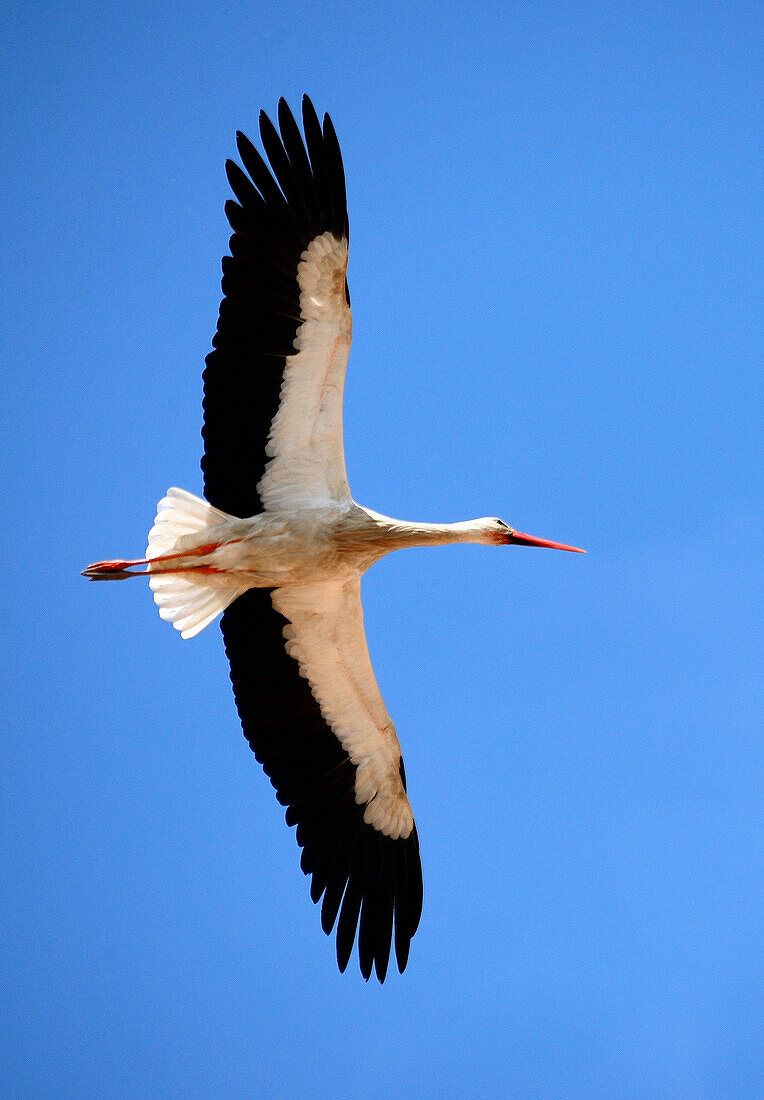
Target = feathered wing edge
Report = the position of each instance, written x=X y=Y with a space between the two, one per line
x=279 y=210
x=368 y=882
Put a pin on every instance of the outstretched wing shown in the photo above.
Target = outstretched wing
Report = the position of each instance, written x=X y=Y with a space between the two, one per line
x=313 y=715
x=273 y=385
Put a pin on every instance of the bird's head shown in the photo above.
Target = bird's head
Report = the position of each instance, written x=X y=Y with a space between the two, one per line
x=499 y=533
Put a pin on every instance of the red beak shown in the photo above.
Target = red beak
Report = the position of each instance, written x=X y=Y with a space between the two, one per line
x=519 y=539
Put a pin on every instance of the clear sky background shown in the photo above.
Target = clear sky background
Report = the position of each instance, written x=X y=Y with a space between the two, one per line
x=556 y=236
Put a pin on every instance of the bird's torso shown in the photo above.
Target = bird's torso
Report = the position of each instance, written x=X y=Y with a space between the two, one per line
x=312 y=543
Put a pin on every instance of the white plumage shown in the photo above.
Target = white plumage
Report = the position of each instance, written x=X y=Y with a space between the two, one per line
x=280 y=546
x=305 y=444
x=184 y=599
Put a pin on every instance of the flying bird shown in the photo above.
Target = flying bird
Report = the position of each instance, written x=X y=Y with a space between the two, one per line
x=279 y=546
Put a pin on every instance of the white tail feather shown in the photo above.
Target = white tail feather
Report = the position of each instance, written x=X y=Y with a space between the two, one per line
x=180 y=513
x=189 y=601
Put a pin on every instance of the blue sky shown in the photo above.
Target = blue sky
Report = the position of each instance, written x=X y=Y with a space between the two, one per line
x=555 y=268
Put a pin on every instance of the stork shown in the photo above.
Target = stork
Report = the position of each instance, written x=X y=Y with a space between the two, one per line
x=279 y=546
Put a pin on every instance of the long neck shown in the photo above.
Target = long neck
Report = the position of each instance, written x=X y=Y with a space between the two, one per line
x=395 y=534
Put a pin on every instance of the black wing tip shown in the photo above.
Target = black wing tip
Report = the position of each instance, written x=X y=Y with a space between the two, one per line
x=232 y=168
x=319 y=141
x=244 y=145
x=374 y=912
x=308 y=110
x=284 y=114
x=266 y=126
x=328 y=127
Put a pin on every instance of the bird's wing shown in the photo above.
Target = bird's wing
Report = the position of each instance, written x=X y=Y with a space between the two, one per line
x=273 y=385
x=313 y=715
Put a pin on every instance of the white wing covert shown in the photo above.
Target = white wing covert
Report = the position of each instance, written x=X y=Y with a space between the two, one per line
x=305 y=445
x=326 y=637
